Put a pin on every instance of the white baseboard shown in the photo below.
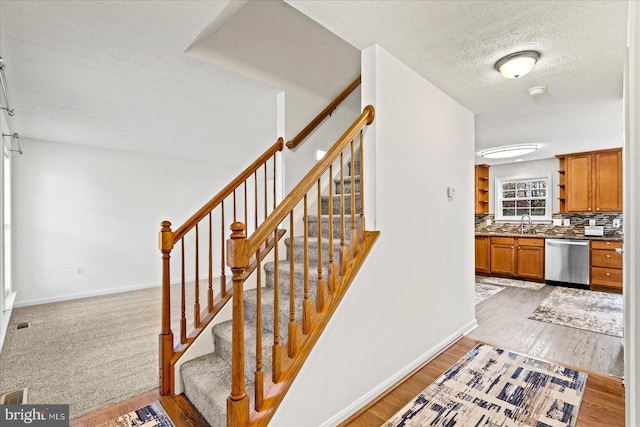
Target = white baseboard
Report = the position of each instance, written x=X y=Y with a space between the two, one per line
x=385 y=385
x=95 y=293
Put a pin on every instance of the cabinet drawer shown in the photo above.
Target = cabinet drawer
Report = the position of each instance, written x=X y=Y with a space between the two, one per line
x=523 y=241
x=606 y=244
x=606 y=276
x=606 y=258
x=502 y=240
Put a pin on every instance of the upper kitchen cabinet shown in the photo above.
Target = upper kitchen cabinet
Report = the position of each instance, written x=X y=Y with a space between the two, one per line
x=482 y=189
x=591 y=182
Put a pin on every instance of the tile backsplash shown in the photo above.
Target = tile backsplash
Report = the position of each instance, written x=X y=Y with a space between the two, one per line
x=577 y=220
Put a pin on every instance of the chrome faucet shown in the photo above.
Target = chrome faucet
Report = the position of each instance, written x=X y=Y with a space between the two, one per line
x=522 y=222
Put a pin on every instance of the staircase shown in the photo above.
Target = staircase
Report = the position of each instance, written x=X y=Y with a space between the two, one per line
x=207 y=379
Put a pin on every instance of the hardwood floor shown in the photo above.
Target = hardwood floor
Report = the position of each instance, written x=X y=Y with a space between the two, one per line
x=178 y=408
x=603 y=397
x=503 y=322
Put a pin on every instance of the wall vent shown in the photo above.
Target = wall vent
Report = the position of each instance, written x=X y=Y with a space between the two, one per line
x=14 y=398
x=23 y=325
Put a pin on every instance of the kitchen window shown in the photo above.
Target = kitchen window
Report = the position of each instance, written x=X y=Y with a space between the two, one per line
x=515 y=197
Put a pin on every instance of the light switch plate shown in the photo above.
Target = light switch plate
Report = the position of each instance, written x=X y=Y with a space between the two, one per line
x=616 y=223
x=488 y=222
x=557 y=221
x=592 y=222
x=566 y=222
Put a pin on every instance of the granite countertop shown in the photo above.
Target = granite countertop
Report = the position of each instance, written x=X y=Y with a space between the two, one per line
x=547 y=236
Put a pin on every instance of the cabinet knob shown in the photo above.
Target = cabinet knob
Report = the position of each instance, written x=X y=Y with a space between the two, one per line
x=608 y=243
x=608 y=256
x=608 y=274
x=597 y=209
x=588 y=209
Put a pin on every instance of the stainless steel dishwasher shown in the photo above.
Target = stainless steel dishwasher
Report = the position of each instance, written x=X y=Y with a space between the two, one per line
x=566 y=261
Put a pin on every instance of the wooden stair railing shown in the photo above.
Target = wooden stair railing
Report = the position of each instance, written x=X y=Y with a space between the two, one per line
x=210 y=221
x=354 y=243
x=296 y=140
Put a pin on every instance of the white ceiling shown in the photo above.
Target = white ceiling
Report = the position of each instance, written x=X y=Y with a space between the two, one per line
x=455 y=45
x=114 y=74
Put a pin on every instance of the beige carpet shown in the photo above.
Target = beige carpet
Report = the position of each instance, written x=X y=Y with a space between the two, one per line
x=88 y=353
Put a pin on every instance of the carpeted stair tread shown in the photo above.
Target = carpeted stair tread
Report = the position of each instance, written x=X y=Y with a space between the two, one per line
x=347 y=184
x=312 y=244
x=207 y=382
x=312 y=222
x=284 y=269
x=222 y=335
x=336 y=204
x=250 y=309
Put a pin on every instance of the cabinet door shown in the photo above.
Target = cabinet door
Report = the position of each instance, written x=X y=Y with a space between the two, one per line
x=578 y=183
x=503 y=257
x=531 y=262
x=607 y=190
x=482 y=254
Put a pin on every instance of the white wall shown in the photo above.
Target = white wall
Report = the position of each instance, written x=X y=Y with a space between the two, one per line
x=78 y=206
x=415 y=292
x=632 y=220
x=545 y=167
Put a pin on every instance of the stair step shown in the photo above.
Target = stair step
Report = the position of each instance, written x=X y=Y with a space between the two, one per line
x=336 y=204
x=312 y=222
x=356 y=164
x=250 y=310
x=207 y=382
x=347 y=184
x=312 y=243
x=222 y=336
x=298 y=272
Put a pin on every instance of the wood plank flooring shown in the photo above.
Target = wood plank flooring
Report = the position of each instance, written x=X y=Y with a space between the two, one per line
x=503 y=322
x=602 y=404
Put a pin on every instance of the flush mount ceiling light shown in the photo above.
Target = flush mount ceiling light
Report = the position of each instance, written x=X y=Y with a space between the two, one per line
x=517 y=64
x=509 y=151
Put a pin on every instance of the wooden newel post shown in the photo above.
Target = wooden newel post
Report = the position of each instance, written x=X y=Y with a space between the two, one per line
x=165 y=243
x=237 y=260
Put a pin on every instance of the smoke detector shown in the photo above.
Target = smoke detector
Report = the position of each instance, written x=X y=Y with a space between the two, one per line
x=536 y=91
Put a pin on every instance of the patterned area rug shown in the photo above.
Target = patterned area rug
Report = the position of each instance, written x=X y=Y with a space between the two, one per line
x=484 y=291
x=152 y=415
x=497 y=388
x=509 y=282
x=599 y=312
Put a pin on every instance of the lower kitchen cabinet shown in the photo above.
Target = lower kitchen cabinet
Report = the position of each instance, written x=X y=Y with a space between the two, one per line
x=517 y=257
x=606 y=266
x=482 y=254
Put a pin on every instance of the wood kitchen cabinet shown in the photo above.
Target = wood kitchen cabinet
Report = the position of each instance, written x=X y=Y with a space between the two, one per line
x=483 y=254
x=517 y=257
x=482 y=189
x=606 y=266
x=591 y=181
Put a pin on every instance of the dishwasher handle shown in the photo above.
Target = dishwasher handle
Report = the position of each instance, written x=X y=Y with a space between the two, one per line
x=567 y=242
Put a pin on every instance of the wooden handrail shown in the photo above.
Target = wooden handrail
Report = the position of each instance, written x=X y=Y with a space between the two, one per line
x=286 y=206
x=296 y=140
x=226 y=191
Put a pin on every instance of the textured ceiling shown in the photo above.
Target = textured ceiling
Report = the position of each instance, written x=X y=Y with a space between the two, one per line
x=114 y=74
x=455 y=45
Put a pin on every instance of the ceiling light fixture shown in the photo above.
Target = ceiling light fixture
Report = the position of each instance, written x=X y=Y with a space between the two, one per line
x=509 y=151
x=517 y=64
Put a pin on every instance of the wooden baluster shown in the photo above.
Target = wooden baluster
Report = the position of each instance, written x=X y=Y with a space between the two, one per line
x=276 y=368
x=210 y=294
x=237 y=260
x=274 y=181
x=234 y=206
x=331 y=269
x=321 y=285
x=354 y=237
x=165 y=238
x=255 y=199
x=259 y=374
x=246 y=220
x=265 y=190
x=183 y=298
x=292 y=348
x=361 y=173
x=196 y=305
x=223 y=277
x=306 y=304
x=343 y=246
